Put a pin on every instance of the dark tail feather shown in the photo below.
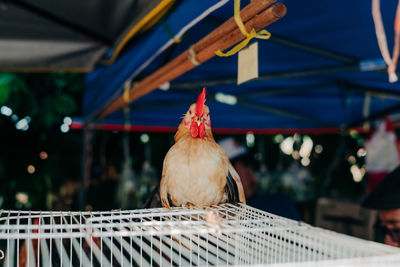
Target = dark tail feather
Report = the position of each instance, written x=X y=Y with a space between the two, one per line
x=154 y=199
x=231 y=189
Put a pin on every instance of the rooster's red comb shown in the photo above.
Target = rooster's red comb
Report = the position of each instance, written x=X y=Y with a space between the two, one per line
x=200 y=103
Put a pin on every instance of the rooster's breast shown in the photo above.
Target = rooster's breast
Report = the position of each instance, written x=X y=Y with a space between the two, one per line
x=195 y=173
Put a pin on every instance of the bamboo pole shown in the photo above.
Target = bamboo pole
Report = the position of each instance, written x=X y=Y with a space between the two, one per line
x=204 y=50
x=247 y=13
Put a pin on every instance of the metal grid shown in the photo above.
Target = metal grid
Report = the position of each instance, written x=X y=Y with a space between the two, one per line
x=220 y=235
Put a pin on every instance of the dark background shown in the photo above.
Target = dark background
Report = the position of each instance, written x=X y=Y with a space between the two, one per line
x=55 y=184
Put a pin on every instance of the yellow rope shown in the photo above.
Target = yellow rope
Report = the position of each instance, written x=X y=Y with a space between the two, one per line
x=146 y=22
x=126 y=98
x=263 y=34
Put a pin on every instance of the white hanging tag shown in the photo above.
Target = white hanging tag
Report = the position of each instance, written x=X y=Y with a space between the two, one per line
x=248 y=63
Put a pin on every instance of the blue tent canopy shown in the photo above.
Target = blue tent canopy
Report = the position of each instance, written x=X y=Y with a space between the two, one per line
x=321 y=69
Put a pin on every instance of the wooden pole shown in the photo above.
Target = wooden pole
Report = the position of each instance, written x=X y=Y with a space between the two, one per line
x=247 y=13
x=203 y=50
x=87 y=159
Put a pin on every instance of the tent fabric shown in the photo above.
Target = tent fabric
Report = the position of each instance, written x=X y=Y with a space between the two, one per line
x=321 y=69
x=45 y=35
x=108 y=81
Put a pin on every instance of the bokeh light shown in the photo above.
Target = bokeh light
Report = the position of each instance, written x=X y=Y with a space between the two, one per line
x=357 y=173
x=6 y=111
x=31 y=169
x=43 y=155
x=318 y=149
x=226 y=98
x=250 y=139
x=362 y=152
x=23 y=124
x=305 y=161
x=278 y=138
x=144 y=138
x=296 y=155
x=287 y=145
x=306 y=147
x=64 y=128
x=351 y=159
x=67 y=121
x=22 y=197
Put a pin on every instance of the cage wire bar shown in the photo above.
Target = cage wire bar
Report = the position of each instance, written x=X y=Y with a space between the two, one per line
x=228 y=234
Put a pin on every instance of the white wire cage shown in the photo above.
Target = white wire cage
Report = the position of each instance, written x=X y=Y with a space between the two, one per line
x=223 y=235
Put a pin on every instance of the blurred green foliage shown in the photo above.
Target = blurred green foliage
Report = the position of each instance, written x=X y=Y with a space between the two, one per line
x=47 y=98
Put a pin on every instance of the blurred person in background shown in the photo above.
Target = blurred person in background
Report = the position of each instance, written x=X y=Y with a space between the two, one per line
x=386 y=199
x=243 y=162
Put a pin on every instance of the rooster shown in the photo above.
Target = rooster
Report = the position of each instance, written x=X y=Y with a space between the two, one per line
x=196 y=170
